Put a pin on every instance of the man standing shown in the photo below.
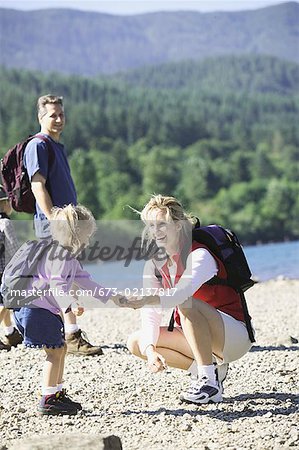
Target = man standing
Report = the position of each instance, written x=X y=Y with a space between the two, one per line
x=52 y=185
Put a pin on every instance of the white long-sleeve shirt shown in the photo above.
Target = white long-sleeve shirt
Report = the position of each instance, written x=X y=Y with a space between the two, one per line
x=200 y=267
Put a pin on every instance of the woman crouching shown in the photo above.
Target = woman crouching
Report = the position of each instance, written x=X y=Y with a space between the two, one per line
x=210 y=331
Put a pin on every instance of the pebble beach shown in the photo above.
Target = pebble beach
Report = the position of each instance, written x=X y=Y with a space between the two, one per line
x=121 y=397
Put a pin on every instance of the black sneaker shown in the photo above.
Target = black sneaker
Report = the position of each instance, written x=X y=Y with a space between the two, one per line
x=13 y=339
x=53 y=405
x=68 y=401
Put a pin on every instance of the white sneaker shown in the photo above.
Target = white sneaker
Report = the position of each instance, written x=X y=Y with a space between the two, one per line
x=221 y=372
x=202 y=391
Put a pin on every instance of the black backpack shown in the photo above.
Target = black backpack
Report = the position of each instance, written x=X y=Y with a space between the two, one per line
x=19 y=271
x=15 y=179
x=224 y=244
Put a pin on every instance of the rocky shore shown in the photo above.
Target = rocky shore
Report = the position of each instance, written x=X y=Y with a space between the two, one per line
x=120 y=397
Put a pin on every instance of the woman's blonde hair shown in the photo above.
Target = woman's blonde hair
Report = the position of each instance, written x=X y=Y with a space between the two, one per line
x=68 y=222
x=172 y=209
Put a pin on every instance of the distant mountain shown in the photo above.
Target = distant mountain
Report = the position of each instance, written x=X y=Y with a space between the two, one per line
x=250 y=73
x=88 y=43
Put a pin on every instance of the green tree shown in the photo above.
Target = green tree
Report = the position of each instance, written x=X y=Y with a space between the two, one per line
x=161 y=173
x=276 y=209
x=85 y=179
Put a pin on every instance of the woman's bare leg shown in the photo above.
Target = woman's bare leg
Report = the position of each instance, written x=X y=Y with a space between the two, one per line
x=202 y=336
x=171 y=344
x=203 y=329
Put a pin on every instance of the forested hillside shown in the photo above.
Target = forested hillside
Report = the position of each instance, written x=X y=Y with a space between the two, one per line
x=89 y=43
x=229 y=152
x=254 y=74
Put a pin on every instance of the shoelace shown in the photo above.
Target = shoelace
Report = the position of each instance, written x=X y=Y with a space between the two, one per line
x=83 y=339
x=116 y=347
x=64 y=395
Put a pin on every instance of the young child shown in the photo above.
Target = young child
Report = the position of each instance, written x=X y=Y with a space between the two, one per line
x=58 y=276
x=8 y=246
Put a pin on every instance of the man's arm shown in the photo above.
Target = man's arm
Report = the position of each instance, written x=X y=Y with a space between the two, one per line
x=42 y=196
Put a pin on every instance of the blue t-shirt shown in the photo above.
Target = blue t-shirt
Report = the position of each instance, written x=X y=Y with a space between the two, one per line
x=56 y=171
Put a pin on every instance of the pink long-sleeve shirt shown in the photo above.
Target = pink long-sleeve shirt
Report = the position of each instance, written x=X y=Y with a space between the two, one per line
x=55 y=278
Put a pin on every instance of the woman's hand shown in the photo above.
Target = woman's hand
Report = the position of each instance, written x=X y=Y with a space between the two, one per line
x=135 y=302
x=155 y=361
x=129 y=302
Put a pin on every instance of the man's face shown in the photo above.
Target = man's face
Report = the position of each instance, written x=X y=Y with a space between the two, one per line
x=52 y=123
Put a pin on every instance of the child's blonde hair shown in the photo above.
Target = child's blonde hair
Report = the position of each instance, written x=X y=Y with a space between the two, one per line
x=68 y=223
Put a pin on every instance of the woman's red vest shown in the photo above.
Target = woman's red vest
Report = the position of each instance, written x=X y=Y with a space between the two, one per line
x=224 y=298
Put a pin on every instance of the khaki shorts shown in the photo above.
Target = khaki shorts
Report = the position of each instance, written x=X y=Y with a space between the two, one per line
x=236 y=339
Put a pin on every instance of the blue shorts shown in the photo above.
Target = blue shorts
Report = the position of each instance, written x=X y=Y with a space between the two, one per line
x=40 y=328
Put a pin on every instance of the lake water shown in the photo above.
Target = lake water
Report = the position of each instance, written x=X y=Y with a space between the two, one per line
x=272 y=260
x=266 y=262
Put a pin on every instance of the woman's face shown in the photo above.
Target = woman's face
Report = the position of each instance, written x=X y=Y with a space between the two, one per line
x=164 y=231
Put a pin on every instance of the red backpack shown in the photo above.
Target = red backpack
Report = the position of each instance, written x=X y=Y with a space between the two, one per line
x=15 y=178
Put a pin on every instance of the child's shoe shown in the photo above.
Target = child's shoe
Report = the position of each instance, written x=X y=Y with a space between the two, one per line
x=53 y=405
x=77 y=344
x=68 y=401
x=4 y=346
x=13 y=339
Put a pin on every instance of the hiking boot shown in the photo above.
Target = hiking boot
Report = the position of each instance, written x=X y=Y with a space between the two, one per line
x=4 y=346
x=13 y=339
x=77 y=344
x=53 y=405
x=202 y=391
x=68 y=401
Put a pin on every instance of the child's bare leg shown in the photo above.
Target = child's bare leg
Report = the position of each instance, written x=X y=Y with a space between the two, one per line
x=5 y=316
x=12 y=335
x=55 y=401
x=52 y=369
x=61 y=365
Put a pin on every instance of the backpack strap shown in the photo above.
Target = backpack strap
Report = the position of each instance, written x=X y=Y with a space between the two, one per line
x=171 y=321
x=247 y=317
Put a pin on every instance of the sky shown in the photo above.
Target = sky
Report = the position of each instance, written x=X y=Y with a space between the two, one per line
x=125 y=7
